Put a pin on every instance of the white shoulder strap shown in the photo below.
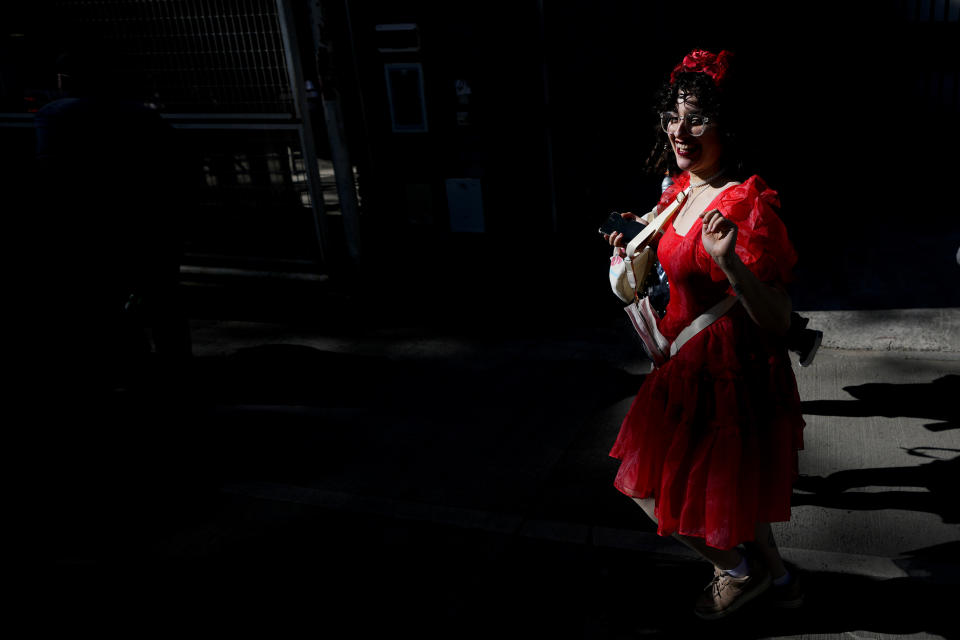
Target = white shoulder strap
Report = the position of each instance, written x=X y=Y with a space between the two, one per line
x=658 y=223
x=703 y=321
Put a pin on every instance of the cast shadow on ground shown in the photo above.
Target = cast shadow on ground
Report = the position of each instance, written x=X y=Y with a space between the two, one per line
x=931 y=401
x=303 y=375
x=936 y=400
x=324 y=576
x=295 y=413
x=837 y=604
x=290 y=413
x=616 y=594
x=938 y=477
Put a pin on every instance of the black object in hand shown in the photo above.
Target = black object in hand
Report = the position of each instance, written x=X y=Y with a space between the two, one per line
x=627 y=226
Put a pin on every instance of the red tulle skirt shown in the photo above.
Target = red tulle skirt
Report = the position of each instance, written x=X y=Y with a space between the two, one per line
x=713 y=435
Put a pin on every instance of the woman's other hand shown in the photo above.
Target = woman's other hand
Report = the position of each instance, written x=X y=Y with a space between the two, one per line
x=615 y=239
x=719 y=235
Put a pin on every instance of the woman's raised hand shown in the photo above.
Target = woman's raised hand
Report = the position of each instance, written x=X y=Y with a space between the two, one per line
x=718 y=234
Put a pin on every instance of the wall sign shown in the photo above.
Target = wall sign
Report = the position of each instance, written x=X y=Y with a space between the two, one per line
x=408 y=109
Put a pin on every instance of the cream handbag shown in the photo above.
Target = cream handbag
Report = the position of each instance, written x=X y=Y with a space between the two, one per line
x=628 y=275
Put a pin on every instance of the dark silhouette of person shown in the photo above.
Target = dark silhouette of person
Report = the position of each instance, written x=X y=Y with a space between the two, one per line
x=110 y=185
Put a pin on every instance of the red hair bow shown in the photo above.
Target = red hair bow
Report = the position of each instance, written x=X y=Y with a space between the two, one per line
x=714 y=65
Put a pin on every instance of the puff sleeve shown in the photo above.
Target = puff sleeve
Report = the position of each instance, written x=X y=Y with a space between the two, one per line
x=762 y=241
x=680 y=182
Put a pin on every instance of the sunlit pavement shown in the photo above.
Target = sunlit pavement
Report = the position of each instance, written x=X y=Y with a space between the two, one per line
x=356 y=477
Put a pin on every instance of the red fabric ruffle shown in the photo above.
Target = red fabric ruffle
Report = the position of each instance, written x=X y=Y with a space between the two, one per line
x=680 y=183
x=762 y=241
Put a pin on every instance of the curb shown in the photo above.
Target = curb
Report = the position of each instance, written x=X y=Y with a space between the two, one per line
x=889 y=329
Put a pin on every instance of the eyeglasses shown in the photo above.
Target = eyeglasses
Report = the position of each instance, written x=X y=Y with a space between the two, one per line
x=696 y=123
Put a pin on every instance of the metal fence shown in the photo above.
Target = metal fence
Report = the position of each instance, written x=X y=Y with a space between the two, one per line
x=205 y=56
x=218 y=72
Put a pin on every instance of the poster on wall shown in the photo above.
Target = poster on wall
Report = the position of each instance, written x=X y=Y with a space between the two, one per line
x=408 y=111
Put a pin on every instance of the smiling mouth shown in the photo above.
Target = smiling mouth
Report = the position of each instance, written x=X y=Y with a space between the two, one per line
x=685 y=149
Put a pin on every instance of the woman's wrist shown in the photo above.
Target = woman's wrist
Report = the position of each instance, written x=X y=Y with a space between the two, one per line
x=728 y=263
x=733 y=268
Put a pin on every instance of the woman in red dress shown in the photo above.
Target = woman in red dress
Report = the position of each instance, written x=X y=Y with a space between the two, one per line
x=709 y=445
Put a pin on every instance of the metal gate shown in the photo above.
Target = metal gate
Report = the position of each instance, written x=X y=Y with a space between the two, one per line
x=228 y=75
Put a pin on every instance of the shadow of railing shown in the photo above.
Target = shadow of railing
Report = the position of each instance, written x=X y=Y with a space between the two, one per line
x=938 y=478
x=936 y=400
x=928 y=487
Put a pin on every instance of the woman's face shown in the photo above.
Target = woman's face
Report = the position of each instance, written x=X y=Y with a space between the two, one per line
x=699 y=155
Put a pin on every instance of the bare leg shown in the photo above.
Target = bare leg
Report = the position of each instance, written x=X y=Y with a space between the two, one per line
x=723 y=558
x=649 y=507
x=765 y=546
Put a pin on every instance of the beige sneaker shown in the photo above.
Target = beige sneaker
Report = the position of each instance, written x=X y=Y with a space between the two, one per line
x=725 y=594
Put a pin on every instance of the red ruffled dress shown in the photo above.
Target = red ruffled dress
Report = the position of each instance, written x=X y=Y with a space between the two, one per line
x=713 y=434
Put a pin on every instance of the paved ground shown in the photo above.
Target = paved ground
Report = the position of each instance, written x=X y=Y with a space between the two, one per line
x=361 y=476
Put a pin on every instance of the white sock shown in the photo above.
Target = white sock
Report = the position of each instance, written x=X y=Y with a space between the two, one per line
x=741 y=570
x=782 y=580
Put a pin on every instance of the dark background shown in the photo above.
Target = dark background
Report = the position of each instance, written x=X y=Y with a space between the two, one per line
x=855 y=109
x=841 y=92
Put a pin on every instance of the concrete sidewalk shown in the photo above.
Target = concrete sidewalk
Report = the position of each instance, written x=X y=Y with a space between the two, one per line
x=934 y=330
x=458 y=483
x=355 y=473
x=876 y=412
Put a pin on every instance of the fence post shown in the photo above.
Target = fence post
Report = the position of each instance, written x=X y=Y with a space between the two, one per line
x=302 y=112
x=333 y=116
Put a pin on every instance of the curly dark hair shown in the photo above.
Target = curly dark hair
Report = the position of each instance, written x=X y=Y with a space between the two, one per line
x=719 y=104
